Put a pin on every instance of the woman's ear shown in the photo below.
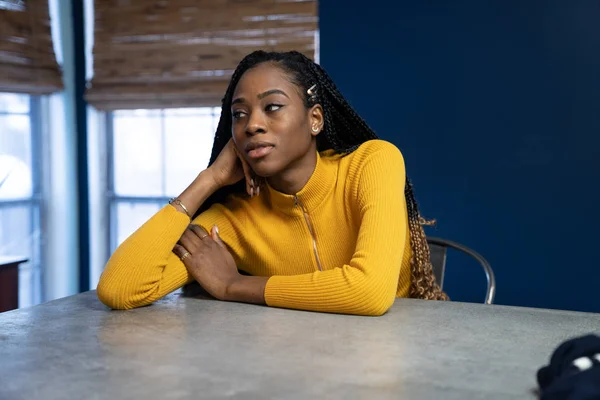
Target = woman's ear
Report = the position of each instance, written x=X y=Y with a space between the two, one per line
x=316 y=119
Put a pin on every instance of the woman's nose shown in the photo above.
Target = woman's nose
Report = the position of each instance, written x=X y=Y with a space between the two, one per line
x=256 y=125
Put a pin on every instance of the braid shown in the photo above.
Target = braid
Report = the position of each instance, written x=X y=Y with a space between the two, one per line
x=344 y=131
x=423 y=284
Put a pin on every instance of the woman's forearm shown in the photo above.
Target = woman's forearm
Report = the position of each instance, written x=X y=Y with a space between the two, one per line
x=247 y=289
x=197 y=192
x=143 y=268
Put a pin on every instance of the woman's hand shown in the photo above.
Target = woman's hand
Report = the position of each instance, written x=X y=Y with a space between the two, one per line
x=207 y=259
x=230 y=167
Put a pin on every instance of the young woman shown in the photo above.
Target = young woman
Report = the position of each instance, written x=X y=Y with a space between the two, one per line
x=300 y=195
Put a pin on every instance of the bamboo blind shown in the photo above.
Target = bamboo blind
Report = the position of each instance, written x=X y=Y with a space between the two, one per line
x=27 y=61
x=180 y=53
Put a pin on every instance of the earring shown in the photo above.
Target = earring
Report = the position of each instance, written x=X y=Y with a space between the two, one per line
x=315 y=129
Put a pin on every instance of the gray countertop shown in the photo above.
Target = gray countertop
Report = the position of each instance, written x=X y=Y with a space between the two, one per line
x=182 y=348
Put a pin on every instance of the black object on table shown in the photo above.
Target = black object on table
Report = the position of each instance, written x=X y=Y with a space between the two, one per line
x=9 y=282
x=573 y=372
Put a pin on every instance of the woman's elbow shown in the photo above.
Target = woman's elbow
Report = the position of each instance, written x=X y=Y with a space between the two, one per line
x=377 y=310
x=108 y=294
x=376 y=300
x=117 y=290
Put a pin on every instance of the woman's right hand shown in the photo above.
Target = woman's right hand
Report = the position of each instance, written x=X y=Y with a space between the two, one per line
x=230 y=167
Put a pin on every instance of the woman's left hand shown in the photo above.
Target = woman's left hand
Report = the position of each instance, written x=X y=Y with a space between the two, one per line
x=207 y=259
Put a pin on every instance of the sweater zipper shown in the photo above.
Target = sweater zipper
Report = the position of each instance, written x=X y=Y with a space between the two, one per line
x=310 y=229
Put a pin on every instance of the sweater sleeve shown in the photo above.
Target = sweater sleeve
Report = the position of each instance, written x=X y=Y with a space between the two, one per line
x=144 y=268
x=367 y=284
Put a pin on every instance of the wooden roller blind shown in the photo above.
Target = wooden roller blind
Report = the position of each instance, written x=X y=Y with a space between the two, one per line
x=178 y=53
x=27 y=61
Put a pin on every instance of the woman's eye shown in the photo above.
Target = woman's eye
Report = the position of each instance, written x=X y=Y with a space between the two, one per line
x=273 y=107
x=237 y=114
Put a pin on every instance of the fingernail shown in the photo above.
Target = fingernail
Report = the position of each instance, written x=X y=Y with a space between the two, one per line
x=217 y=229
x=252 y=182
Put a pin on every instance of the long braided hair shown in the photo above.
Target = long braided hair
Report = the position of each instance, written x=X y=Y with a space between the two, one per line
x=344 y=130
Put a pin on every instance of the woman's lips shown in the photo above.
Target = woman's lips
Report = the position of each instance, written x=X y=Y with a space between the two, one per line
x=260 y=152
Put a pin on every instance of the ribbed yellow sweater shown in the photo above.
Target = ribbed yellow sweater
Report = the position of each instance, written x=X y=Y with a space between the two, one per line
x=349 y=220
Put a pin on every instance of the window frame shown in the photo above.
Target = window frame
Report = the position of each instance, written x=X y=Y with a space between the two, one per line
x=112 y=198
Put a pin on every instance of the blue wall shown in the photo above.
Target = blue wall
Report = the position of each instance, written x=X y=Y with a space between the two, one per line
x=496 y=107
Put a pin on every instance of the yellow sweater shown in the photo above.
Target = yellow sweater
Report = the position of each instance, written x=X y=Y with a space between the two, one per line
x=341 y=244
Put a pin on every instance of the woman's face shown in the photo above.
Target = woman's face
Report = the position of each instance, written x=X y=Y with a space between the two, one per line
x=271 y=127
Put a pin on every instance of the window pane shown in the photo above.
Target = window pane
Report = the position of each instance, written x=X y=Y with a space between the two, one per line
x=130 y=216
x=14 y=103
x=15 y=157
x=30 y=284
x=188 y=146
x=137 y=156
x=15 y=231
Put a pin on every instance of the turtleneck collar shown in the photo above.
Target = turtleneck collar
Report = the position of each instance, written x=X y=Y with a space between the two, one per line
x=316 y=190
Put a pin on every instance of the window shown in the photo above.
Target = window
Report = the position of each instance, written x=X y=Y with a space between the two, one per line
x=20 y=190
x=153 y=156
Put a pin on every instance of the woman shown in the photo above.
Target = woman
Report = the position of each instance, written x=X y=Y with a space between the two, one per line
x=299 y=194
